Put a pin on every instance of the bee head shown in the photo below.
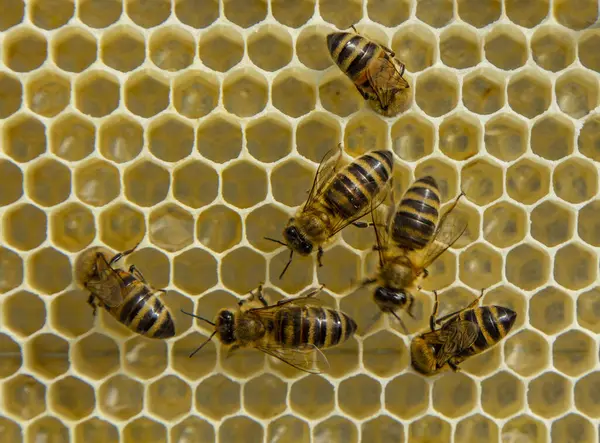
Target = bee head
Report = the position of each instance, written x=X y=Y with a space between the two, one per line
x=89 y=264
x=422 y=356
x=224 y=326
x=390 y=299
x=296 y=241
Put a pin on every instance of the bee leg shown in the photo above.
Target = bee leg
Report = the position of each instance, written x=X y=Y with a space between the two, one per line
x=363 y=93
x=320 y=256
x=259 y=295
x=136 y=272
x=92 y=302
x=120 y=255
x=434 y=313
x=362 y=224
x=368 y=281
x=453 y=366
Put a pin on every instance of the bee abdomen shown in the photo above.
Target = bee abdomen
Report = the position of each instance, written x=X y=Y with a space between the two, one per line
x=351 y=52
x=417 y=215
x=494 y=323
x=353 y=188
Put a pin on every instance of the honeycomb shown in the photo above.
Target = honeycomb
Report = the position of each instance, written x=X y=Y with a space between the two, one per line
x=195 y=127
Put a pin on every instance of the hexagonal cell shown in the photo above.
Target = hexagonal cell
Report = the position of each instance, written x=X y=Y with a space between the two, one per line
x=552 y=223
x=48 y=355
x=195 y=184
x=589 y=139
x=454 y=395
x=147 y=94
x=264 y=221
x=412 y=137
x=483 y=92
x=172 y=48
x=123 y=48
x=24 y=138
x=338 y=94
x=49 y=270
x=144 y=357
x=48 y=182
x=506 y=47
x=504 y=224
x=588 y=309
x=588 y=224
x=193 y=369
x=365 y=133
x=12 y=95
x=527 y=13
x=586 y=399
x=218 y=396
x=529 y=93
x=476 y=428
x=24 y=49
x=51 y=14
x=575 y=266
x=407 y=396
x=24 y=226
x=459 y=136
x=220 y=138
x=120 y=138
x=436 y=13
x=269 y=138
x=194 y=271
x=72 y=227
x=146 y=430
x=459 y=47
x=480 y=266
x=506 y=137
x=148 y=14
x=527 y=181
x=146 y=183
x=481 y=180
x=428 y=429
x=11 y=430
x=100 y=13
x=48 y=93
x=72 y=137
x=527 y=267
x=49 y=429
x=552 y=48
x=573 y=427
x=245 y=14
x=96 y=430
x=587 y=56
x=265 y=396
x=290 y=180
x=552 y=137
x=170 y=138
x=74 y=49
x=271 y=47
x=13 y=356
x=11 y=271
x=527 y=427
x=389 y=12
x=293 y=96
x=241 y=268
x=526 y=352
x=13 y=15
x=245 y=93
x=24 y=397
x=72 y=398
x=341 y=270
x=121 y=226
x=312 y=397
x=193 y=430
x=382 y=429
x=336 y=428
x=577 y=93
x=244 y=184
x=169 y=398
x=97 y=183
x=291 y=12
x=197 y=13
x=385 y=354
x=502 y=395
x=574 y=353
x=70 y=314
x=24 y=313
x=288 y=429
x=241 y=429
x=551 y=310
x=479 y=14
x=195 y=93
x=445 y=175
x=437 y=92
x=342 y=14
x=12 y=188
x=359 y=396
x=311 y=51
x=221 y=48
x=96 y=356
x=579 y=15
x=549 y=395
x=97 y=93
x=171 y=228
x=575 y=180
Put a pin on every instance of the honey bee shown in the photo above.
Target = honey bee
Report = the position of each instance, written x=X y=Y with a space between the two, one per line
x=469 y=331
x=336 y=200
x=373 y=68
x=124 y=294
x=408 y=242
x=288 y=330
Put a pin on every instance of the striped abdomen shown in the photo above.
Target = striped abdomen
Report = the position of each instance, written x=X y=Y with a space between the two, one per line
x=322 y=327
x=352 y=53
x=354 y=187
x=142 y=311
x=494 y=324
x=417 y=215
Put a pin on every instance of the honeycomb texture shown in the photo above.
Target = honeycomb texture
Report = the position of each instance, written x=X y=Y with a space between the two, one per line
x=195 y=127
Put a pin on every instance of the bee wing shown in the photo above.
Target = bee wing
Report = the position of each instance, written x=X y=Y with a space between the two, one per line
x=326 y=170
x=302 y=357
x=109 y=287
x=455 y=337
x=448 y=231
x=381 y=224
x=386 y=80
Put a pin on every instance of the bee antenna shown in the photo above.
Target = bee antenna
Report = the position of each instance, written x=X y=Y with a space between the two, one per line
x=203 y=344
x=276 y=241
x=401 y=322
x=287 y=264
x=198 y=317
